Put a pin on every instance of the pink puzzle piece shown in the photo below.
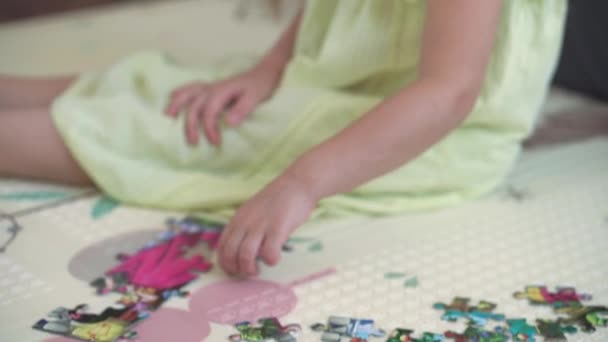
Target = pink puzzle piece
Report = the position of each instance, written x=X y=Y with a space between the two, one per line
x=163 y=266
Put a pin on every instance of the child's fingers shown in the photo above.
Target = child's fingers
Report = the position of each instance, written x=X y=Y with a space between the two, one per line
x=237 y=113
x=223 y=237
x=228 y=250
x=179 y=102
x=217 y=102
x=271 y=247
x=182 y=96
x=193 y=118
x=248 y=252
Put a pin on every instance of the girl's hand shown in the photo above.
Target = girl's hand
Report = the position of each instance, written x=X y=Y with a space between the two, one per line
x=236 y=96
x=263 y=224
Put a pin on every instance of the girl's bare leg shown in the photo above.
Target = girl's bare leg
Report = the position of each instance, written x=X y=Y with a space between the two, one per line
x=19 y=92
x=30 y=147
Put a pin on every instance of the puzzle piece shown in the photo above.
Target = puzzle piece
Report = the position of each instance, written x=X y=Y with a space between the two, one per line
x=462 y=304
x=477 y=315
x=338 y=327
x=268 y=329
x=403 y=335
x=553 y=330
x=476 y=334
x=164 y=265
x=540 y=295
x=520 y=330
x=586 y=317
x=400 y=335
x=458 y=304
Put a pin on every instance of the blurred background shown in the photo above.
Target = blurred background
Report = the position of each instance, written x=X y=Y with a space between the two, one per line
x=55 y=37
x=49 y=37
x=19 y=9
x=11 y=10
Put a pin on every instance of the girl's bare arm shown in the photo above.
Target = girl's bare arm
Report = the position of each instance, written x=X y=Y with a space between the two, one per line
x=457 y=43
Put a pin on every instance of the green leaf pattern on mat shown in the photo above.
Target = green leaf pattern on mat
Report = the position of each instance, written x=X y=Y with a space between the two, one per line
x=316 y=247
x=103 y=207
x=394 y=275
x=299 y=239
x=412 y=282
x=34 y=195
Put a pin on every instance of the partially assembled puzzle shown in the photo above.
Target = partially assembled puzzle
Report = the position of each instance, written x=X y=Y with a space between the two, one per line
x=144 y=281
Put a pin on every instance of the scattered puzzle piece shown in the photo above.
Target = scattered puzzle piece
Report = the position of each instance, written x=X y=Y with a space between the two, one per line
x=404 y=335
x=477 y=315
x=268 y=329
x=553 y=330
x=458 y=304
x=338 y=327
x=520 y=330
x=400 y=335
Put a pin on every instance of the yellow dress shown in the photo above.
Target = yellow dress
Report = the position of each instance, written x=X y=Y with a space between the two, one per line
x=349 y=55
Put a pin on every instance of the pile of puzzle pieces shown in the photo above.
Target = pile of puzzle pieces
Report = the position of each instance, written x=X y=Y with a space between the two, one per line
x=144 y=281
x=573 y=316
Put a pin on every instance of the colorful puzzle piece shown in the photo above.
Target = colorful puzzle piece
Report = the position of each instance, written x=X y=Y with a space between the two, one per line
x=477 y=315
x=404 y=335
x=338 y=327
x=400 y=335
x=268 y=329
x=553 y=330
x=586 y=317
x=476 y=334
x=520 y=330
x=563 y=296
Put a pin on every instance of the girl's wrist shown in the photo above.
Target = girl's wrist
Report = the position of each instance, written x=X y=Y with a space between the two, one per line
x=273 y=63
x=305 y=171
x=267 y=73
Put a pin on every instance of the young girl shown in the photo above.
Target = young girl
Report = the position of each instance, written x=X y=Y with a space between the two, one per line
x=362 y=106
